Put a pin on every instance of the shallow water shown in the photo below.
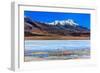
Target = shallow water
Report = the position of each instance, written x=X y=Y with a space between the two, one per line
x=56 y=44
x=79 y=49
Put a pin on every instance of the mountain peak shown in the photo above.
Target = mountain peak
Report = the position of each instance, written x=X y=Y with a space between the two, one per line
x=64 y=22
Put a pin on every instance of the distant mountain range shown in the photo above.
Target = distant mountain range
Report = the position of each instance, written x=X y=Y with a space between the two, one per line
x=59 y=28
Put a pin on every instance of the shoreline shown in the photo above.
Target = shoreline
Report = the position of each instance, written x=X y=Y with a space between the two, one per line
x=57 y=38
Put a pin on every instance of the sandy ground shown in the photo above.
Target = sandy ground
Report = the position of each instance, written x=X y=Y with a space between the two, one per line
x=56 y=38
x=29 y=58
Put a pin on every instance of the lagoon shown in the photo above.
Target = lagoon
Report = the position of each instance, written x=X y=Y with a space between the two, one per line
x=56 y=44
x=36 y=50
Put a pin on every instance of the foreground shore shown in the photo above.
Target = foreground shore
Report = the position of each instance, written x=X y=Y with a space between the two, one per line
x=56 y=38
x=69 y=54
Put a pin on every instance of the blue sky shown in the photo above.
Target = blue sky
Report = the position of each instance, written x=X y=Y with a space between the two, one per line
x=81 y=18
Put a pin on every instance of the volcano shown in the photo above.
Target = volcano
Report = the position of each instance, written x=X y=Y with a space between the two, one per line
x=64 y=28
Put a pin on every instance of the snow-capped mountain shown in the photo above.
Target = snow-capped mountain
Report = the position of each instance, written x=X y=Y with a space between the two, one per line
x=62 y=28
x=64 y=22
